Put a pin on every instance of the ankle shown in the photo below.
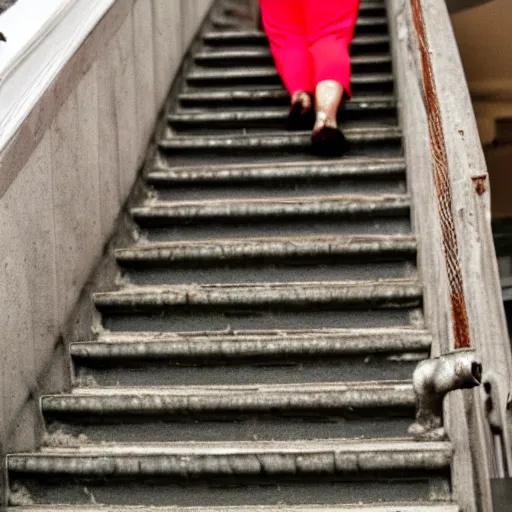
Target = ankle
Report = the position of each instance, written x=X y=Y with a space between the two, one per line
x=328 y=96
x=324 y=120
x=302 y=97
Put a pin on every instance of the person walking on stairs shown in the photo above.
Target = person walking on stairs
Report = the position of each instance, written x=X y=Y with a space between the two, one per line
x=310 y=41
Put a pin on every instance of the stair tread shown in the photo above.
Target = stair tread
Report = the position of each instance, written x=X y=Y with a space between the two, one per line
x=269 y=208
x=269 y=93
x=243 y=458
x=162 y=172
x=384 y=292
x=250 y=398
x=107 y=449
x=247 y=248
x=253 y=343
x=276 y=139
x=265 y=114
x=403 y=387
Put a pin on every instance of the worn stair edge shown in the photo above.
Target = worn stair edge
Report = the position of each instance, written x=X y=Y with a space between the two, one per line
x=274 y=141
x=335 y=456
x=392 y=293
x=163 y=174
x=254 y=96
x=214 y=346
x=251 y=72
x=270 y=248
x=392 y=507
x=259 y=37
x=195 y=116
x=248 y=54
x=184 y=400
x=170 y=211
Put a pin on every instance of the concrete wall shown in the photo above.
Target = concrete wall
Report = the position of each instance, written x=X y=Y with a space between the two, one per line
x=71 y=167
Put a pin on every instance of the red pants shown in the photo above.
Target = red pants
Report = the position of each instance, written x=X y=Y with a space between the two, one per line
x=310 y=40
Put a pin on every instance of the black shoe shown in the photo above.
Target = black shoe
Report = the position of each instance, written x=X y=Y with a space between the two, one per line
x=301 y=117
x=329 y=141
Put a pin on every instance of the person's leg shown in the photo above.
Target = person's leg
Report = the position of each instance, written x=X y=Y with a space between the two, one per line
x=330 y=28
x=284 y=24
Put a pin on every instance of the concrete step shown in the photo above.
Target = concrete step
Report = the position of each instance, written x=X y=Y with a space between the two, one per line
x=163 y=175
x=238 y=38
x=223 y=474
x=392 y=293
x=94 y=404
x=301 y=411
x=269 y=97
x=393 y=507
x=170 y=212
x=267 y=75
x=213 y=252
x=182 y=461
x=212 y=347
x=271 y=117
x=251 y=357
x=262 y=55
x=284 y=142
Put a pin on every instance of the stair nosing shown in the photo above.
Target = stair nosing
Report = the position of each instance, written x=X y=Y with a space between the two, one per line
x=212 y=250
x=264 y=52
x=162 y=172
x=217 y=390
x=279 y=140
x=389 y=293
x=266 y=343
x=406 y=444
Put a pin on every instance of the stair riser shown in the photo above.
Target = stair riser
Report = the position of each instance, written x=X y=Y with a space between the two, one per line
x=359 y=86
x=270 y=319
x=382 y=62
x=266 y=272
x=278 y=99
x=275 y=428
x=316 y=491
x=288 y=227
x=234 y=40
x=293 y=370
x=361 y=46
x=292 y=188
x=364 y=25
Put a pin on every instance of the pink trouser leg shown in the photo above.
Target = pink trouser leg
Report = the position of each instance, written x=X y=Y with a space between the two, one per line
x=330 y=30
x=285 y=25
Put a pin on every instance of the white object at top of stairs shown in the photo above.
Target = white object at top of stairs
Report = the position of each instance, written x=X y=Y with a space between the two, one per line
x=41 y=38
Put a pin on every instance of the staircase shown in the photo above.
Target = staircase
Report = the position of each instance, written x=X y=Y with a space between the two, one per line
x=259 y=354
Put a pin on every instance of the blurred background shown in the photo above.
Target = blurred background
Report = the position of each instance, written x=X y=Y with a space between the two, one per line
x=484 y=35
